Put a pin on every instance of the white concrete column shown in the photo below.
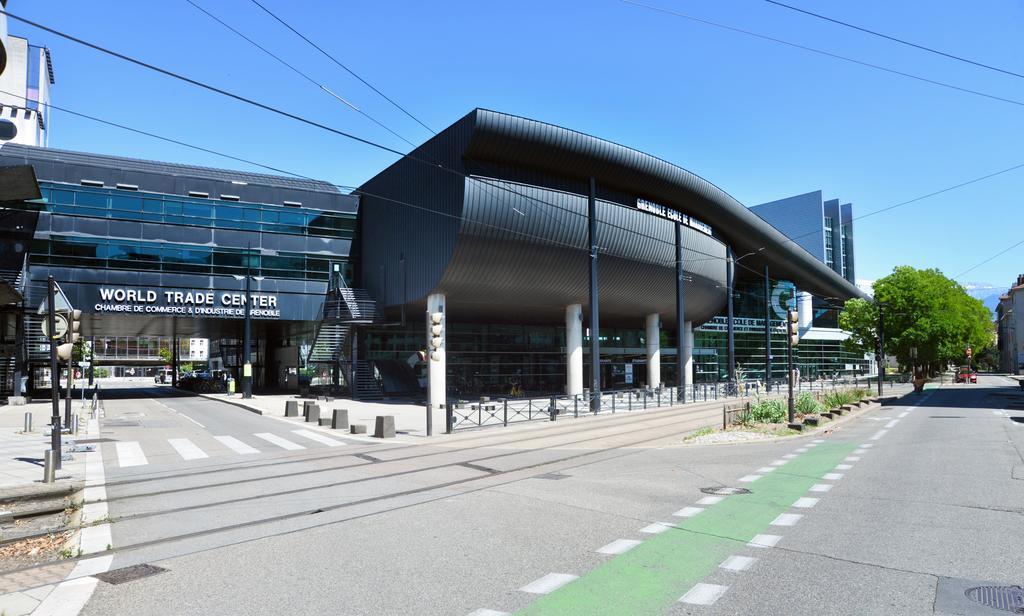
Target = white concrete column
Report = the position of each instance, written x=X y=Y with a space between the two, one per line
x=686 y=348
x=436 y=338
x=574 y=350
x=653 y=327
x=804 y=311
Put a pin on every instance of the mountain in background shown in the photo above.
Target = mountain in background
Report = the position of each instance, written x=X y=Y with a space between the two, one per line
x=987 y=293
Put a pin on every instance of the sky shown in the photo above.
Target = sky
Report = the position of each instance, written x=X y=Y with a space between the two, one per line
x=760 y=120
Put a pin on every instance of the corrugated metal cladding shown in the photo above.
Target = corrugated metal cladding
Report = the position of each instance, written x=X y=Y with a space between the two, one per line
x=509 y=242
x=173 y=179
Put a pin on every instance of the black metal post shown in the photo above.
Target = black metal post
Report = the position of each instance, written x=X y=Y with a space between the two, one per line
x=174 y=360
x=730 y=275
x=595 y=329
x=789 y=374
x=71 y=377
x=51 y=320
x=767 y=332
x=881 y=348
x=247 y=333
x=680 y=316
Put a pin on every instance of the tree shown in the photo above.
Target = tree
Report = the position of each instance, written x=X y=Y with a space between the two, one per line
x=923 y=311
x=165 y=355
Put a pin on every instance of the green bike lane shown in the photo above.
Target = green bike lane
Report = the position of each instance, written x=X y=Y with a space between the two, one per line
x=654 y=575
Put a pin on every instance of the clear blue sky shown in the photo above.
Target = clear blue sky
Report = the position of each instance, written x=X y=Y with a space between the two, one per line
x=760 y=120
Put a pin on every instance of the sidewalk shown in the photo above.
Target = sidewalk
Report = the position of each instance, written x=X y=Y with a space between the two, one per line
x=21 y=454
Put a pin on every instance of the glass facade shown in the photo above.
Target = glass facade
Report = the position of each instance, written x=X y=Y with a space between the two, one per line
x=829 y=253
x=121 y=204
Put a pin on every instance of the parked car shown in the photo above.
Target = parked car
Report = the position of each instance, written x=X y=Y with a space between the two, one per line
x=202 y=382
x=164 y=375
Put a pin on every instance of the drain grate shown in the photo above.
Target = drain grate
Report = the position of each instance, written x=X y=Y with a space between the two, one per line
x=724 y=491
x=129 y=574
x=1005 y=598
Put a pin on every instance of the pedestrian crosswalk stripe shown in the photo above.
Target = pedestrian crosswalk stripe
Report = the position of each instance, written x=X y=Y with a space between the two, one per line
x=187 y=449
x=277 y=440
x=236 y=445
x=320 y=438
x=129 y=453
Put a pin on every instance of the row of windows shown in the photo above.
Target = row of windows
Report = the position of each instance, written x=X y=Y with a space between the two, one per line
x=151 y=256
x=219 y=214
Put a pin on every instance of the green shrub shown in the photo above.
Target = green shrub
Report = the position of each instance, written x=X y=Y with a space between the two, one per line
x=806 y=404
x=767 y=411
x=836 y=399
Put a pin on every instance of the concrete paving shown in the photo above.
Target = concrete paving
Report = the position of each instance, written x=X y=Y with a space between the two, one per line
x=571 y=517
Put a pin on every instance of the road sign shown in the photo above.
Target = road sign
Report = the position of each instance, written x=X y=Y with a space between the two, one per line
x=62 y=326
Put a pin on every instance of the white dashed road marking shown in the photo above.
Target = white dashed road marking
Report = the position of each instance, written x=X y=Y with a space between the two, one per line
x=548 y=583
x=778 y=463
x=766 y=469
x=486 y=612
x=821 y=487
x=711 y=500
x=790 y=456
x=688 y=512
x=737 y=563
x=236 y=445
x=832 y=476
x=129 y=453
x=787 y=519
x=704 y=594
x=619 y=546
x=657 y=527
x=851 y=459
x=806 y=502
x=904 y=414
x=843 y=467
x=764 y=541
x=320 y=438
x=277 y=440
x=187 y=449
x=878 y=435
x=750 y=478
x=892 y=423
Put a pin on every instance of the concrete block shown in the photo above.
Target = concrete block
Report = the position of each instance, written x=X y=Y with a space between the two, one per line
x=306 y=404
x=357 y=429
x=314 y=414
x=811 y=421
x=325 y=421
x=796 y=426
x=826 y=415
x=384 y=427
x=340 y=419
x=291 y=408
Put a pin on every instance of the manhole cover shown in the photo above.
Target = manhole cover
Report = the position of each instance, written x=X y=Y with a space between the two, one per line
x=1006 y=598
x=129 y=574
x=724 y=491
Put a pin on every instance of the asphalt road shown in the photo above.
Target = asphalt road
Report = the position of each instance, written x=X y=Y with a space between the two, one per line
x=912 y=504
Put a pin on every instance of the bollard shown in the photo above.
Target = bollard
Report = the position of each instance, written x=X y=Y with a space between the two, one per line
x=613 y=403
x=505 y=404
x=28 y=422
x=384 y=426
x=449 y=419
x=552 y=410
x=575 y=407
x=74 y=424
x=339 y=421
x=49 y=465
x=313 y=414
x=291 y=408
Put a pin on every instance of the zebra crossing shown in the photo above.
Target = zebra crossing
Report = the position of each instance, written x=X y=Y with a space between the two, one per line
x=134 y=453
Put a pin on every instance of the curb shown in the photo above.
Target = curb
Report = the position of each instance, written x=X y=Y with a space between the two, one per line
x=233 y=402
x=39 y=492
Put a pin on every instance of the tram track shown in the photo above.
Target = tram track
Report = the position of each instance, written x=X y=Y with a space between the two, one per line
x=490 y=478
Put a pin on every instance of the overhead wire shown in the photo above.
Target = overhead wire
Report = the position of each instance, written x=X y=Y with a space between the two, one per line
x=299 y=72
x=822 y=52
x=345 y=134
x=897 y=39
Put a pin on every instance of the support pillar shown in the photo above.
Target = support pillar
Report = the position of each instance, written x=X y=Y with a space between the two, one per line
x=436 y=343
x=595 y=327
x=653 y=327
x=574 y=350
x=685 y=350
x=682 y=378
x=767 y=332
x=804 y=311
x=730 y=276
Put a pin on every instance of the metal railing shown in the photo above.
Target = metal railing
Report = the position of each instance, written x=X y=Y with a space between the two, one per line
x=482 y=412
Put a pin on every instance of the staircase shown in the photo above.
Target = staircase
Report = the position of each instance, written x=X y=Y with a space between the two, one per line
x=343 y=310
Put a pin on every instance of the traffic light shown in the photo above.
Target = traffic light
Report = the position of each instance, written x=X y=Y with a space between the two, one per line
x=436 y=335
x=74 y=319
x=792 y=327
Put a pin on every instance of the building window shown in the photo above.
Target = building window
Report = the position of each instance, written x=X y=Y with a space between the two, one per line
x=829 y=254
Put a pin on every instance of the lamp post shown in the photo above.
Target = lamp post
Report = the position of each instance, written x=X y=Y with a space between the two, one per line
x=247 y=329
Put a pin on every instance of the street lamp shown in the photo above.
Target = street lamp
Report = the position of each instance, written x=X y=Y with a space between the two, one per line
x=247 y=336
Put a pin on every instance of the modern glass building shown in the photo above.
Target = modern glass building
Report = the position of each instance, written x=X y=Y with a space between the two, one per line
x=463 y=268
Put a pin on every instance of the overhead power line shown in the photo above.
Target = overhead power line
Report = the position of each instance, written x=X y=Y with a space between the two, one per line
x=992 y=258
x=440 y=166
x=323 y=88
x=340 y=64
x=823 y=52
x=898 y=40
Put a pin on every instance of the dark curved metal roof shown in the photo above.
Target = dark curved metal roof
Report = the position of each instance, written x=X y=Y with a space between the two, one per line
x=521 y=142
